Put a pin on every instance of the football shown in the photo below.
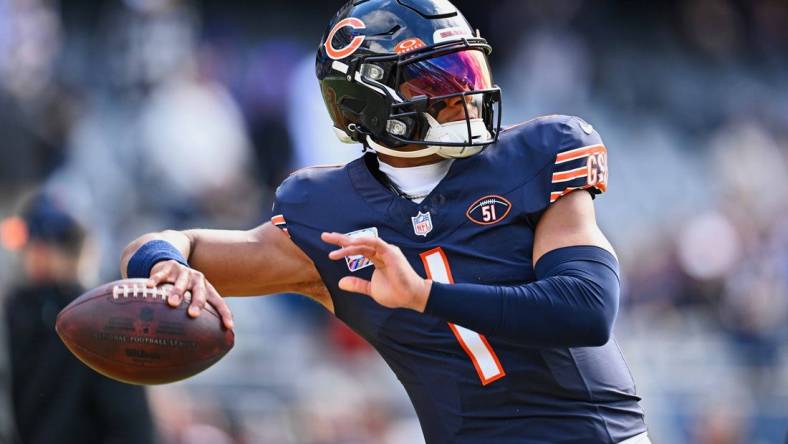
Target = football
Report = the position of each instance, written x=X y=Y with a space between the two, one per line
x=127 y=331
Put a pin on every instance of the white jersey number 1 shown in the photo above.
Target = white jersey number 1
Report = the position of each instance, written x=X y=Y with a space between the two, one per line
x=475 y=345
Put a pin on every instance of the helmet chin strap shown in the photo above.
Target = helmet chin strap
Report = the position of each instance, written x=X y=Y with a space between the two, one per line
x=452 y=132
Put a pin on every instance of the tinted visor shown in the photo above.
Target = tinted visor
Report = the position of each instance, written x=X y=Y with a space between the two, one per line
x=453 y=73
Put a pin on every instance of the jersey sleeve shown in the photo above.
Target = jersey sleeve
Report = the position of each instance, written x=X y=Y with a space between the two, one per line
x=580 y=161
x=295 y=210
x=289 y=202
x=279 y=221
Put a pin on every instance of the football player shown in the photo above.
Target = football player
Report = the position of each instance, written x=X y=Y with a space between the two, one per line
x=467 y=255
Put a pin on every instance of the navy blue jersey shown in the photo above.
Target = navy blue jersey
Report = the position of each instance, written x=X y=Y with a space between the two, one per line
x=477 y=226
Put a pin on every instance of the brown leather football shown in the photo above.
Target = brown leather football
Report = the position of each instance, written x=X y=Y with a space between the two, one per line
x=127 y=331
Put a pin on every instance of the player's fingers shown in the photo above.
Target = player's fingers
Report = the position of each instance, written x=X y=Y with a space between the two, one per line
x=174 y=299
x=160 y=273
x=356 y=285
x=391 y=253
x=343 y=239
x=352 y=251
x=376 y=243
x=178 y=290
x=199 y=294
x=370 y=241
x=335 y=238
x=216 y=300
x=160 y=277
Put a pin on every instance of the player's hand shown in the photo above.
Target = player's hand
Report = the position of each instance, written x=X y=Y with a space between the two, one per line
x=394 y=283
x=188 y=279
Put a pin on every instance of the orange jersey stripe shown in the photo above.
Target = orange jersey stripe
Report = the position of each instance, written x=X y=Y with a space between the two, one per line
x=555 y=195
x=278 y=219
x=601 y=186
x=571 y=174
x=579 y=152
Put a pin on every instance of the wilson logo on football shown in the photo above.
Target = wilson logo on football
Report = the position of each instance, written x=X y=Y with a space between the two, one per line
x=341 y=53
x=489 y=210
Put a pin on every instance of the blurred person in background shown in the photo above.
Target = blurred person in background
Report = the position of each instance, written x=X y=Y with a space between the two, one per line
x=155 y=103
x=56 y=398
x=36 y=107
x=410 y=81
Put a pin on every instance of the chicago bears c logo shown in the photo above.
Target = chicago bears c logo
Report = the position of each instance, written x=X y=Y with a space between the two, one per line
x=341 y=53
x=489 y=210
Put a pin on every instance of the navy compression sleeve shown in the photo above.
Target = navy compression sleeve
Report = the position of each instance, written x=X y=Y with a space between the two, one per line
x=572 y=304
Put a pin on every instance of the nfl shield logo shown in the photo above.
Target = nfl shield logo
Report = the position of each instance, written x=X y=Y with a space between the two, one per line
x=422 y=224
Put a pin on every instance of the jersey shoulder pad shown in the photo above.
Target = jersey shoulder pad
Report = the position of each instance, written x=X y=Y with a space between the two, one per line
x=300 y=184
x=577 y=154
x=302 y=187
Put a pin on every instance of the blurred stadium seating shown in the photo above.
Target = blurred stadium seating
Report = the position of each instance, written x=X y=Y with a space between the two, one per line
x=146 y=114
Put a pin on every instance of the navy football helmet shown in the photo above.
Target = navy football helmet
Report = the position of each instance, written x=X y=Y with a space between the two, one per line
x=387 y=68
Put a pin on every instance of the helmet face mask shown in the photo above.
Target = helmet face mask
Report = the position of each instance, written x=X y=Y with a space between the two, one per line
x=390 y=90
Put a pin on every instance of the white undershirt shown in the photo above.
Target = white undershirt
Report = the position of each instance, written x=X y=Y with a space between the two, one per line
x=417 y=181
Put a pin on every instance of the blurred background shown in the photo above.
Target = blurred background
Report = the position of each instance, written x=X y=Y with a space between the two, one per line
x=140 y=115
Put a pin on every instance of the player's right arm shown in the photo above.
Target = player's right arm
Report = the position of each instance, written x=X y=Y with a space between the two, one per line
x=259 y=261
